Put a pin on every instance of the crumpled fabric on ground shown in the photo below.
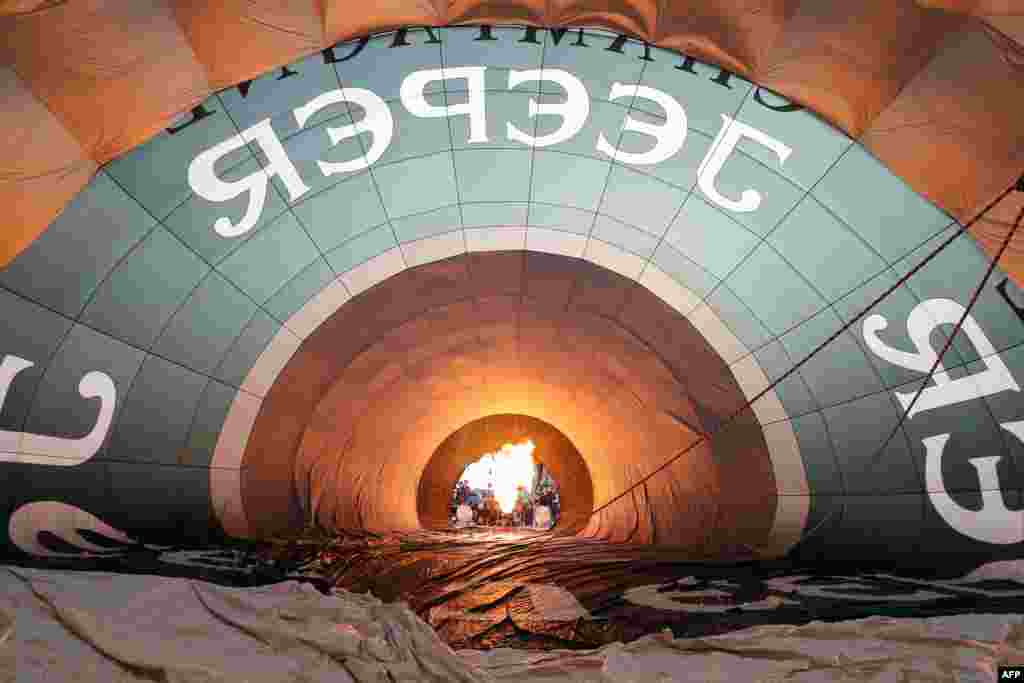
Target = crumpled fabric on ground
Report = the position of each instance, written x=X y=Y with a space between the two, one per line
x=953 y=649
x=108 y=627
x=91 y=626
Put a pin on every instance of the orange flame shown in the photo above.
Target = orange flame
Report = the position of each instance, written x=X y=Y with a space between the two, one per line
x=505 y=470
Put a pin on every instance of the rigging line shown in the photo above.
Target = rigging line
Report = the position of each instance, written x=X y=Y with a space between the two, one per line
x=949 y=342
x=707 y=436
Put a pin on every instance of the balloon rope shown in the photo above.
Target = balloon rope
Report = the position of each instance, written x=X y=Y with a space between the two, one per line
x=949 y=342
x=708 y=435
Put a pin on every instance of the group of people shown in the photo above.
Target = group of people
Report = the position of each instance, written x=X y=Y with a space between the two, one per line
x=481 y=503
x=539 y=508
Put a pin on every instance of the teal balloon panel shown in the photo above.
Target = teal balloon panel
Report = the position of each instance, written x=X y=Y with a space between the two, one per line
x=131 y=325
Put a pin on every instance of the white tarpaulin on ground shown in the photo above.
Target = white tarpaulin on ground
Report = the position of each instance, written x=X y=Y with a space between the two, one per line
x=100 y=627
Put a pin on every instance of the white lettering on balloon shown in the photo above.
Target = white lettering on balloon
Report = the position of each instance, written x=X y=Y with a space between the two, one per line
x=474 y=107
x=203 y=180
x=926 y=317
x=574 y=111
x=994 y=522
x=855 y=588
x=66 y=522
x=684 y=597
x=378 y=121
x=670 y=135
x=39 y=449
x=728 y=137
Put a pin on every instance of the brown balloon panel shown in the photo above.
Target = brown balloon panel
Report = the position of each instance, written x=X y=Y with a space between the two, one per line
x=591 y=357
x=317 y=295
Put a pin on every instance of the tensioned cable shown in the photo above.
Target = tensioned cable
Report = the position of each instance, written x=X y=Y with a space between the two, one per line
x=938 y=361
x=949 y=342
x=725 y=423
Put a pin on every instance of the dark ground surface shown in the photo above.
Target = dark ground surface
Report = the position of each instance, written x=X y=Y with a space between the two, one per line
x=483 y=588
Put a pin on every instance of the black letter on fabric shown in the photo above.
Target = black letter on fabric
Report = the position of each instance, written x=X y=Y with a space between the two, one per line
x=781 y=107
x=485 y=33
x=687 y=65
x=530 y=36
x=329 y=57
x=198 y=114
x=556 y=36
x=558 y=33
x=403 y=33
x=616 y=46
x=1019 y=310
x=721 y=79
x=243 y=87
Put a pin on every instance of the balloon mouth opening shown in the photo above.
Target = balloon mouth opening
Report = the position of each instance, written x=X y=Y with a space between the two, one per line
x=507 y=466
